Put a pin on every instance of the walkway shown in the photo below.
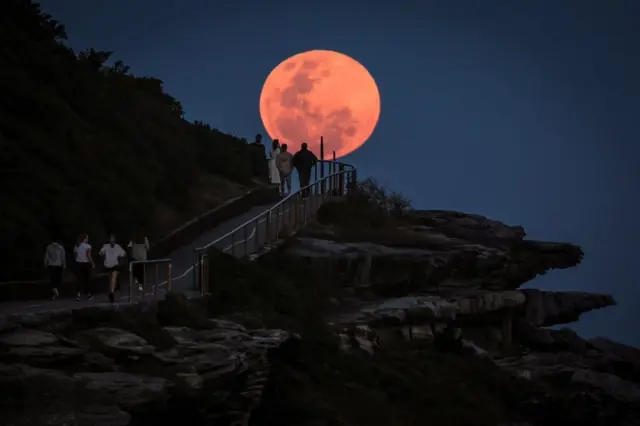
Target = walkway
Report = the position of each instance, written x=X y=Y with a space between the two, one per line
x=182 y=259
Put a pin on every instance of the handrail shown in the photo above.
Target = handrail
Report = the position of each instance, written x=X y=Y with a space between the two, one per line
x=157 y=262
x=275 y=206
x=333 y=181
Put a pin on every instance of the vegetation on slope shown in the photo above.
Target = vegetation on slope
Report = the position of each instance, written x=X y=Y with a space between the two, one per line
x=88 y=147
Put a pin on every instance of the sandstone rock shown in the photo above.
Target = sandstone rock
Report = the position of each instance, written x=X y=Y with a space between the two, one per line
x=127 y=390
x=221 y=368
x=116 y=341
x=470 y=227
x=37 y=348
x=545 y=308
x=50 y=397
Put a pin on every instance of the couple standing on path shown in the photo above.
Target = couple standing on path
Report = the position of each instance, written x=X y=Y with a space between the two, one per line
x=282 y=163
x=113 y=254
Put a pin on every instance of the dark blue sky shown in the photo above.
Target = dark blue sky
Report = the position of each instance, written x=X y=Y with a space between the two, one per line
x=526 y=112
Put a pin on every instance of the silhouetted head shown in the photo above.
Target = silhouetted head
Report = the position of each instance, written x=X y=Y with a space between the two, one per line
x=258 y=138
x=303 y=146
x=83 y=238
x=112 y=239
x=284 y=147
x=275 y=144
x=139 y=237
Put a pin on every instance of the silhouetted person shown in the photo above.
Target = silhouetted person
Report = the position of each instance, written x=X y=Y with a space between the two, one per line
x=84 y=265
x=274 y=173
x=112 y=253
x=258 y=140
x=284 y=164
x=303 y=161
x=55 y=260
x=259 y=159
x=139 y=246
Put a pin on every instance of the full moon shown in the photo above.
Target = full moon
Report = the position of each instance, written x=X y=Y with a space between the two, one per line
x=320 y=93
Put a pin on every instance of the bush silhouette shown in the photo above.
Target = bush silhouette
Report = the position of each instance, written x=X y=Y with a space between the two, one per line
x=90 y=147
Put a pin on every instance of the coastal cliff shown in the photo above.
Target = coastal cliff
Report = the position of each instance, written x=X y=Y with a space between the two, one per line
x=365 y=317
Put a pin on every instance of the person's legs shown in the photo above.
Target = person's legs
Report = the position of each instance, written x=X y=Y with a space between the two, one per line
x=288 y=182
x=113 y=279
x=55 y=278
x=305 y=177
x=79 y=273
x=138 y=274
x=87 y=280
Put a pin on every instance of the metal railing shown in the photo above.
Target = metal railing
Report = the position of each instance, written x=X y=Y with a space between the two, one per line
x=145 y=282
x=285 y=217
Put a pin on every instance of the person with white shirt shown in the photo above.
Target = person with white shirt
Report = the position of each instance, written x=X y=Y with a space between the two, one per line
x=84 y=265
x=55 y=260
x=139 y=246
x=112 y=253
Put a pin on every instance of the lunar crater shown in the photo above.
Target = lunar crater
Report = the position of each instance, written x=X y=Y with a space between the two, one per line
x=325 y=94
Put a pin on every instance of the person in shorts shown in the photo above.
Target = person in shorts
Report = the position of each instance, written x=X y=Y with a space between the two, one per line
x=284 y=163
x=83 y=266
x=55 y=260
x=112 y=253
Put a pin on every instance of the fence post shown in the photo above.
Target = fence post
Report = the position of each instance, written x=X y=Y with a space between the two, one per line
x=246 y=241
x=341 y=180
x=322 y=186
x=267 y=234
x=130 y=281
x=296 y=213
x=169 y=278
x=155 y=286
x=353 y=183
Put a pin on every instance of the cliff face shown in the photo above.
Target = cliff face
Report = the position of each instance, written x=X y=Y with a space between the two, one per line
x=352 y=322
x=452 y=279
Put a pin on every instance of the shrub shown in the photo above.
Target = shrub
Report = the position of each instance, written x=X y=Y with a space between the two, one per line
x=90 y=147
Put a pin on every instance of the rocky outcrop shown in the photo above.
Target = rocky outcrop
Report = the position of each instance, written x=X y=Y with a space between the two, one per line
x=451 y=280
x=434 y=260
x=546 y=308
x=58 y=372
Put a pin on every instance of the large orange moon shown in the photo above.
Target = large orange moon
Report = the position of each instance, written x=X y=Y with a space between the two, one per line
x=320 y=93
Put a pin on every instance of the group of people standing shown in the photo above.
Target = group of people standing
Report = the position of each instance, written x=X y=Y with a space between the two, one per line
x=282 y=163
x=114 y=258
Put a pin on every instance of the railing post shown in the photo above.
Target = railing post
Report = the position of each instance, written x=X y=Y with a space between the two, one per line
x=341 y=180
x=206 y=274
x=296 y=213
x=194 y=270
x=246 y=241
x=322 y=185
x=155 y=286
x=353 y=183
x=267 y=234
x=169 y=278
x=130 y=281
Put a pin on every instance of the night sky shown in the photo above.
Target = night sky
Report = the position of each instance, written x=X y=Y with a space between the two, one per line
x=526 y=112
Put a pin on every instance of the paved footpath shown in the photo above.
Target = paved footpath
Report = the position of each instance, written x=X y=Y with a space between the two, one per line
x=182 y=258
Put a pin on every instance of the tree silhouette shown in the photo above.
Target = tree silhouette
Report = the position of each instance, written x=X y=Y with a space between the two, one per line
x=88 y=147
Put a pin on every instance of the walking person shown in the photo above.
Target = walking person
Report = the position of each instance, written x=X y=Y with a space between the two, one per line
x=274 y=174
x=55 y=260
x=139 y=247
x=284 y=164
x=112 y=253
x=84 y=265
x=303 y=161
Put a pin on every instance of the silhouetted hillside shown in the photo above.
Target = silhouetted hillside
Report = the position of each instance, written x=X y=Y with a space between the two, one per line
x=90 y=147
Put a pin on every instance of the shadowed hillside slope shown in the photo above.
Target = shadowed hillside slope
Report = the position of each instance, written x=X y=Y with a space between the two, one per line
x=86 y=146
